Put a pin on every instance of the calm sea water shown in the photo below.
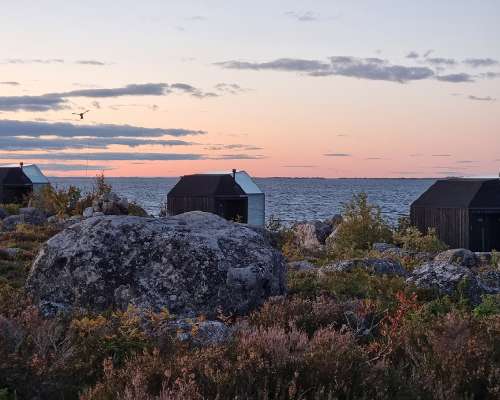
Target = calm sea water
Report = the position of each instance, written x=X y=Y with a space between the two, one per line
x=290 y=199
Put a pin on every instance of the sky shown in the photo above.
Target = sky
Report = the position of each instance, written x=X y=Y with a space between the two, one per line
x=387 y=88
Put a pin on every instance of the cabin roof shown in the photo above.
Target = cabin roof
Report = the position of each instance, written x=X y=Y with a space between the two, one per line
x=461 y=193
x=28 y=174
x=13 y=176
x=206 y=185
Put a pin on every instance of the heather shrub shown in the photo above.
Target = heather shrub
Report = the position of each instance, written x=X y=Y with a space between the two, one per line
x=54 y=201
x=362 y=225
x=412 y=239
x=285 y=239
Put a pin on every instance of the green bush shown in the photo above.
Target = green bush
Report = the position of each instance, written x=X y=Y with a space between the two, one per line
x=412 y=239
x=362 y=225
x=137 y=210
x=489 y=306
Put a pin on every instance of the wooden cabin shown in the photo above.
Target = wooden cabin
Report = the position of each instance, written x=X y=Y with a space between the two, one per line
x=233 y=196
x=18 y=181
x=464 y=212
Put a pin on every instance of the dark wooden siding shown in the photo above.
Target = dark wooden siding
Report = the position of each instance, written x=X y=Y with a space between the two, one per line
x=451 y=224
x=179 y=205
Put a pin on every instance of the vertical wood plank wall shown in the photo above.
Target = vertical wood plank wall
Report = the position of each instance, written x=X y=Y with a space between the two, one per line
x=451 y=224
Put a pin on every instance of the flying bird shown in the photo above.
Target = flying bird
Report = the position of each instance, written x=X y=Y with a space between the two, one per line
x=81 y=114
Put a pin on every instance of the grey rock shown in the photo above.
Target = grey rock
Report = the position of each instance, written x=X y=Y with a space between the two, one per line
x=446 y=278
x=111 y=204
x=302 y=265
x=463 y=257
x=54 y=219
x=88 y=212
x=32 y=216
x=210 y=333
x=489 y=280
x=484 y=258
x=9 y=223
x=383 y=247
x=194 y=263
x=98 y=214
x=311 y=235
x=3 y=213
x=372 y=265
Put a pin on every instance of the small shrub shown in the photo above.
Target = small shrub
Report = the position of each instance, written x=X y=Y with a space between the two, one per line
x=54 y=201
x=137 y=210
x=489 y=306
x=362 y=225
x=11 y=208
x=412 y=239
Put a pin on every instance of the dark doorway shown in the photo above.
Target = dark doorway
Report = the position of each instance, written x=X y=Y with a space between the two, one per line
x=233 y=209
x=485 y=231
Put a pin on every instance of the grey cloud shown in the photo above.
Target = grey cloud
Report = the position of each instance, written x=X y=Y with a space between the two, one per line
x=91 y=62
x=104 y=156
x=73 y=167
x=440 y=61
x=120 y=156
x=441 y=155
x=237 y=157
x=10 y=83
x=412 y=54
x=38 y=128
x=476 y=98
x=480 y=62
x=466 y=161
x=455 y=78
x=32 y=103
x=428 y=53
x=374 y=158
x=337 y=155
x=361 y=68
x=14 y=143
x=246 y=147
x=34 y=61
x=144 y=89
x=306 y=16
x=231 y=88
x=197 y=18
x=184 y=87
x=489 y=75
x=281 y=64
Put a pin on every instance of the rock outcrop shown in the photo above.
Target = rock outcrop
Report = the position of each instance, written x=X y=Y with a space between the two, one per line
x=462 y=257
x=371 y=265
x=446 y=278
x=194 y=263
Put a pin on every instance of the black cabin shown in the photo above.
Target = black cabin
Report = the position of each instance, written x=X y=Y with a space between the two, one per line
x=218 y=194
x=464 y=212
x=14 y=185
x=233 y=196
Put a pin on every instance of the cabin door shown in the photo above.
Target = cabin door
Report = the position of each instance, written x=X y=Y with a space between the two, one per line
x=234 y=209
x=485 y=231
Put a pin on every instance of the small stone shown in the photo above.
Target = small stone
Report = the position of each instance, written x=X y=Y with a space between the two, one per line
x=88 y=212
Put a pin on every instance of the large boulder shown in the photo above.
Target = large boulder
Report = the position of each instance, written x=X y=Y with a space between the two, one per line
x=462 y=257
x=371 y=265
x=446 y=278
x=194 y=263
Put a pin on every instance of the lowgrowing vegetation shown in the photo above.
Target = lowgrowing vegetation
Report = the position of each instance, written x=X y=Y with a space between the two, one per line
x=334 y=336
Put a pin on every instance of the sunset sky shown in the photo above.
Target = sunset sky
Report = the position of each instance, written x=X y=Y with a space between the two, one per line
x=354 y=88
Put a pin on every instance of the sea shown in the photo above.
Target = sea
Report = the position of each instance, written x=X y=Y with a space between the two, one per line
x=288 y=199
